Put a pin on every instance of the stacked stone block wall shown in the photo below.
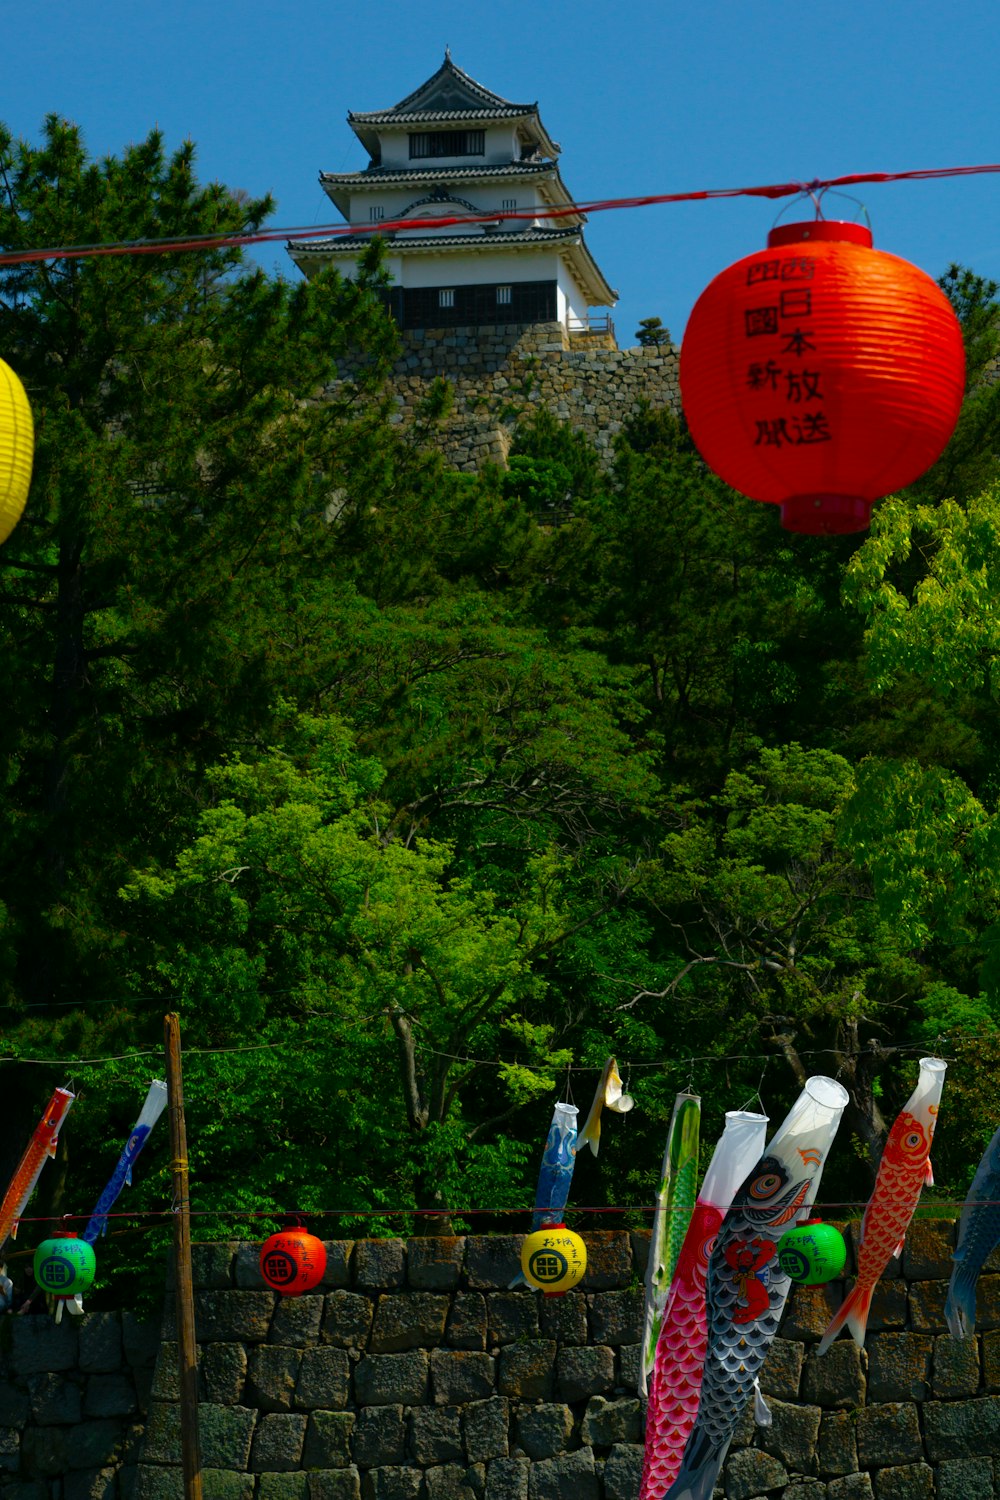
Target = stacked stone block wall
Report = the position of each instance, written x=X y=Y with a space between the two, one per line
x=501 y=375
x=412 y=1373
x=415 y=1373
x=72 y=1401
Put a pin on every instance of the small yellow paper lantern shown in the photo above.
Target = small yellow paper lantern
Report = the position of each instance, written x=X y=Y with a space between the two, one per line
x=553 y=1260
x=17 y=446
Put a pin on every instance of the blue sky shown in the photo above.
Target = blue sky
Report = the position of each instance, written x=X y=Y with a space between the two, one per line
x=644 y=97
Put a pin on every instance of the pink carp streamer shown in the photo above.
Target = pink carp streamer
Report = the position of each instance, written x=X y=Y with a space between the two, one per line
x=675 y=1387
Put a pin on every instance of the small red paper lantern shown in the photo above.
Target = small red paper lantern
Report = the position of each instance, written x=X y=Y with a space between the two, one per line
x=293 y=1261
x=821 y=374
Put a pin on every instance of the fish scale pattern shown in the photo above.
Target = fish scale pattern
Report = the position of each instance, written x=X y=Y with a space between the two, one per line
x=680 y=1354
x=739 y=1345
x=685 y=1184
x=978 y=1236
x=746 y=1292
x=903 y=1170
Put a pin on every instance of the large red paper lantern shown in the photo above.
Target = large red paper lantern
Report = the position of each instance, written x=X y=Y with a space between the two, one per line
x=821 y=374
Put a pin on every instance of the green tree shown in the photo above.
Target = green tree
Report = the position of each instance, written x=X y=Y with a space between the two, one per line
x=779 y=945
x=651 y=333
x=182 y=476
x=970 y=462
x=296 y=908
x=925 y=822
x=733 y=628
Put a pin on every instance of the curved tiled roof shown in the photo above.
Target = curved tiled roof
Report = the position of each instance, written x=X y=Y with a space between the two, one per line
x=397 y=116
x=448 y=97
x=382 y=177
x=497 y=239
x=450 y=93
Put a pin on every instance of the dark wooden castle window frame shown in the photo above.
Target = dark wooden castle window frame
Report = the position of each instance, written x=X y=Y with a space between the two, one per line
x=427 y=144
x=473 y=306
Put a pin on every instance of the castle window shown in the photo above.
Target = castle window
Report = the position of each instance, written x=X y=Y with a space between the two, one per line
x=376 y=212
x=509 y=205
x=424 y=143
x=446 y=296
x=503 y=294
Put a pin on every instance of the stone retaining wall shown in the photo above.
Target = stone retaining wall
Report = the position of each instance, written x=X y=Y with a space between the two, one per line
x=72 y=1402
x=413 y=1373
x=500 y=375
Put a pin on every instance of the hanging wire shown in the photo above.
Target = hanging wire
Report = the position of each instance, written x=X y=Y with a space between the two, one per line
x=317 y=233
x=838 y=1206
x=663 y=1064
x=755 y=1097
x=817 y=195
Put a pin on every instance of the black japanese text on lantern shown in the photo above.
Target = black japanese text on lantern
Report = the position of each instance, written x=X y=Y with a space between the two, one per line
x=787 y=315
x=802 y=268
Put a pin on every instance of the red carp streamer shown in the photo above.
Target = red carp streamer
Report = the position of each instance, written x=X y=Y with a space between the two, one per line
x=41 y=1146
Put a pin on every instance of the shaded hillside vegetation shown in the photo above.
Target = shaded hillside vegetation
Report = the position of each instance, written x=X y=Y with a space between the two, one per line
x=412 y=790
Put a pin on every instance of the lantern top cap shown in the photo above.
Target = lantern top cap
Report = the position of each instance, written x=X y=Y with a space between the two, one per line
x=820 y=229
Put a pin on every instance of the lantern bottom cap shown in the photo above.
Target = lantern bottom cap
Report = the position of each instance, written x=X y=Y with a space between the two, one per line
x=826 y=515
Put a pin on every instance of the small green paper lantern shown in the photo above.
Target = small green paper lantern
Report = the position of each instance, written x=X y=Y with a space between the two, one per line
x=812 y=1253
x=65 y=1266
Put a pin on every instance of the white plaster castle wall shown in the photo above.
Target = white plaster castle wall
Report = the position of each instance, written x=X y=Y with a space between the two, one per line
x=501 y=146
x=570 y=301
x=487 y=198
x=484 y=267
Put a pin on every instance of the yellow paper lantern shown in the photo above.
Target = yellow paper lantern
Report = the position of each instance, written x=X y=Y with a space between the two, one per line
x=17 y=446
x=553 y=1260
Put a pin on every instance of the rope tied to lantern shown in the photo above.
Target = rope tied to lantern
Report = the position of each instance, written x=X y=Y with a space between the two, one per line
x=821 y=374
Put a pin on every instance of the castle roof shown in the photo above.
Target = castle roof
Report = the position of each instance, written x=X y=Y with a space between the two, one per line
x=568 y=240
x=339 y=186
x=449 y=97
x=383 y=177
x=350 y=244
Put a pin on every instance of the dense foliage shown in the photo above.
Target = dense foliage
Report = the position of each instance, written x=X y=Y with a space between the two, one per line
x=418 y=793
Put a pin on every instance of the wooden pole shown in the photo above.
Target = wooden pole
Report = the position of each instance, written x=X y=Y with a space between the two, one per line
x=186 y=1345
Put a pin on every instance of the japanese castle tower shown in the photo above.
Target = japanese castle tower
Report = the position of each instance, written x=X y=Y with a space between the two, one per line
x=452 y=148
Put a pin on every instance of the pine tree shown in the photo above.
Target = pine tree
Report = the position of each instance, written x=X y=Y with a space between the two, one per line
x=183 y=471
x=651 y=333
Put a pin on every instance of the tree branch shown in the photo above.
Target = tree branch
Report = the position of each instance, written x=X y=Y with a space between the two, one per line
x=416 y=1108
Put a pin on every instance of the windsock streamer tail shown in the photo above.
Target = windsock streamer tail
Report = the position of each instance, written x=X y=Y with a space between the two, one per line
x=960 y=1306
x=852 y=1314
x=697 y=1481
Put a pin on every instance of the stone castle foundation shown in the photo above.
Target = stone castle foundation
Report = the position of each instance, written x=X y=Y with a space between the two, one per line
x=502 y=375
